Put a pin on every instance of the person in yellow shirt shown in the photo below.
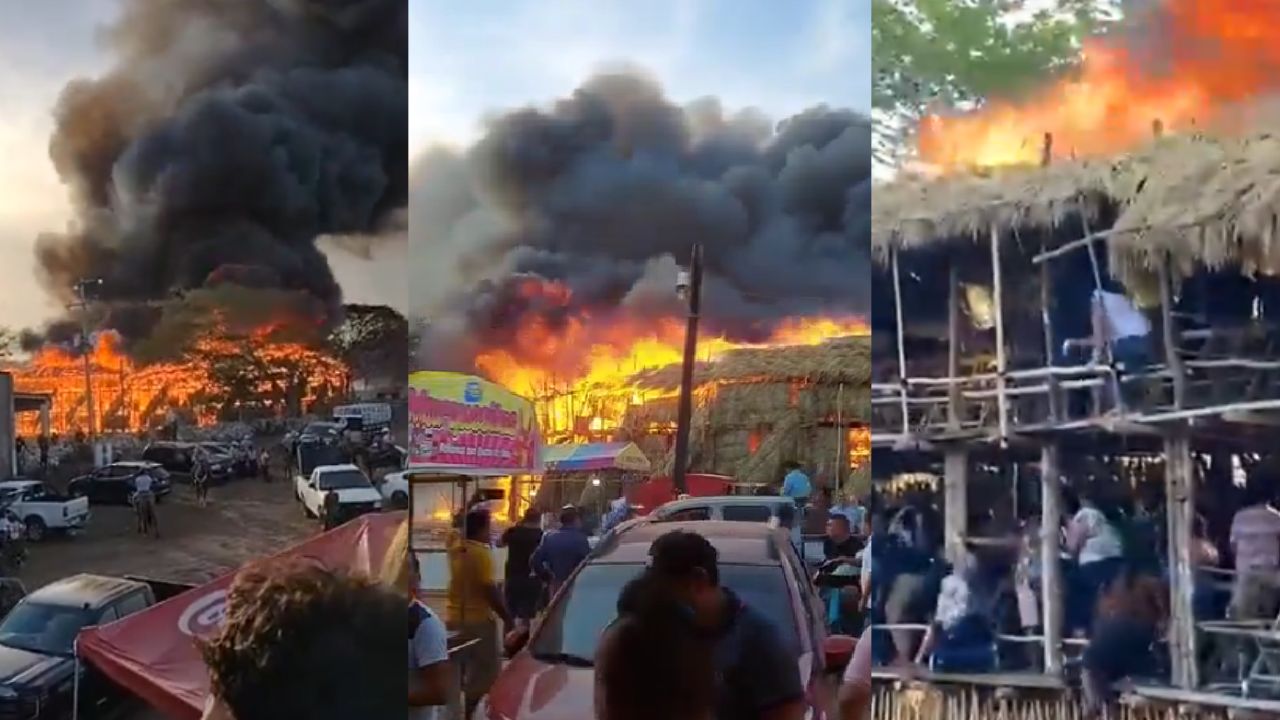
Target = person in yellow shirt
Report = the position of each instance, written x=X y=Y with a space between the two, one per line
x=475 y=605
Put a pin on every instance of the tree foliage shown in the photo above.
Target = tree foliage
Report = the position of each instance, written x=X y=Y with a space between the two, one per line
x=958 y=53
x=372 y=339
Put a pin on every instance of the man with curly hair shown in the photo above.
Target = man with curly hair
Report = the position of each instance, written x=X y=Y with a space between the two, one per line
x=306 y=643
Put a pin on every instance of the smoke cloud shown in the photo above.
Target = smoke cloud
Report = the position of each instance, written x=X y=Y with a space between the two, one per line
x=584 y=210
x=228 y=137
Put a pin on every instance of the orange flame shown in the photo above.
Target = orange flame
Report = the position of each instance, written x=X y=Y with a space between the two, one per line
x=1212 y=54
x=131 y=397
x=587 y=398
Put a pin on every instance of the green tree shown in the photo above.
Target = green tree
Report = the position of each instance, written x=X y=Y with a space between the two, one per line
x=958 y=53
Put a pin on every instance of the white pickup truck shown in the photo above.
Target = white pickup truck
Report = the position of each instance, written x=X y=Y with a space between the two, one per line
x=41 y=509
x=356 y=494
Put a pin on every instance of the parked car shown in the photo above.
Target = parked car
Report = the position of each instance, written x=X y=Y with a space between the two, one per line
x=179 y=459
x=356 y=494
x=394 y=486
x=741 y=508
x=37 y=639
x=41 y=510
x=756 y=562
x=113 y=484
x=244 y=463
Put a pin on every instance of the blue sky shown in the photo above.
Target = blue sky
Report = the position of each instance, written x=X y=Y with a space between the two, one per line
x=472 y=58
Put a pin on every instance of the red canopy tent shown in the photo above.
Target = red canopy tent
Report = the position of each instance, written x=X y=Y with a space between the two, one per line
x=152 y=655
x=660 y=489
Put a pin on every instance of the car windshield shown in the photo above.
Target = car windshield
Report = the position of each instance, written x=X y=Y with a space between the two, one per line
x=572 y=629
x=343 y=480
x=46 y=629
x=320 y=429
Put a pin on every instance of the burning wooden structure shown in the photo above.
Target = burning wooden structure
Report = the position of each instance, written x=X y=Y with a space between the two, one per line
x=128 y=396
x=756 y=408
x=979 y=286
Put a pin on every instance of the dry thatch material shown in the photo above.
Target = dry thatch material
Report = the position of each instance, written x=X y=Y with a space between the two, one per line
x=917 y=211
x=839 y=360
x=1200 y=200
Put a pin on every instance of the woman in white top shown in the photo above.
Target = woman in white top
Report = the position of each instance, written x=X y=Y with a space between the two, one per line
x=1094 y=539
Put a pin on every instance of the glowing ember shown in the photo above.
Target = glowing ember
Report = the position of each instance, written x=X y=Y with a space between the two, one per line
x=131 y=397
x=1210 y=55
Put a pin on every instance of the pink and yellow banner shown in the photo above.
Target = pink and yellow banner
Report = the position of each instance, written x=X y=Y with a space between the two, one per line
x=461 y=423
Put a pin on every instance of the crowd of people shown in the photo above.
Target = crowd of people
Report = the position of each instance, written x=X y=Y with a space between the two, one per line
x=1115 y=575
x=676 y=627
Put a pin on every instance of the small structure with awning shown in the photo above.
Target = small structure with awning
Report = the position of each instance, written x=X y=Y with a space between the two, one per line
x=595 y=457
x=589 y=475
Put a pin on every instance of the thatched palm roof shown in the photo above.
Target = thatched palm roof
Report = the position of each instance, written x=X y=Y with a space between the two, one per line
x=1200 y=200
x=839 y=360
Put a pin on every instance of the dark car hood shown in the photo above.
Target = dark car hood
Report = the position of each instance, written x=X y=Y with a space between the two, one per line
x=21 y=668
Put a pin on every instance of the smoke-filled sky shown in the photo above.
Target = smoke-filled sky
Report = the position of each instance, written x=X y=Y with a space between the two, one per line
x=134 y=177
x=569 y=181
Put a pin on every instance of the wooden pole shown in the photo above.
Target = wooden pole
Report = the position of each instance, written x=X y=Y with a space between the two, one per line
x=1180 y=501
x=955 y=494
x=684 y=410
x=954 y=398
x=1050 y=351
x=1050 y=558
x=902 y=344
x=1171 y=357
x=1001 y=366
x=841 y=466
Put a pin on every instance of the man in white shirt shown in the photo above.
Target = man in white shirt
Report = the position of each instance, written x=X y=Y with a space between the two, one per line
x=430 y=677
x=144 y=501
x=1119 y=325
x=1255 y=540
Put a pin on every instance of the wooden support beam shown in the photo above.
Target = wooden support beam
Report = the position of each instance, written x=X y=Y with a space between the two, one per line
x=954 y=410
x=1050 y=345
x=1001 y=361
x=1051 y=588
x=1180 y=499
x=1170 y=332
x=955 y=492
x=902 y=343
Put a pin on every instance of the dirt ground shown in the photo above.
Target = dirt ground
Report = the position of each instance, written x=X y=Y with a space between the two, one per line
x=245 y=519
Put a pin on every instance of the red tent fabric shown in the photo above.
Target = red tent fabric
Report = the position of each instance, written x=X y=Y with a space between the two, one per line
x=152 y=654
x=659 y=489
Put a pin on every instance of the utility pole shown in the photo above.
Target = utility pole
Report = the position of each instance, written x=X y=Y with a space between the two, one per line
x=689 y=284
x=82 y=304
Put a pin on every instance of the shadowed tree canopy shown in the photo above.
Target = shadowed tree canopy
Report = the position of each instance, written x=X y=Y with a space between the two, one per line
x=941 y=54
x=372 y=341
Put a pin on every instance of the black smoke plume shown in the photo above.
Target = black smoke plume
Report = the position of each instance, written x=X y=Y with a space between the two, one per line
x=603 y=194
x=225 y=140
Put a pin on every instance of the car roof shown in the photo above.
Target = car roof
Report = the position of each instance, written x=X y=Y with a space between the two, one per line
x=337 y=468
x=18 y=482
x=713 y=500
x=171 y=444
x=737 y=543
x=84 y=590
x=137 y=464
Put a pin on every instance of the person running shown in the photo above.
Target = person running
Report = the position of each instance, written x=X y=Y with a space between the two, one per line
x=475 y=606
x=759 y=678
x=302 y=642
x=560 y=552
x=200 y=479
x=264 y=465
x=654 y=643
x=1094 y=539
x=144 y=504
x=519 y=585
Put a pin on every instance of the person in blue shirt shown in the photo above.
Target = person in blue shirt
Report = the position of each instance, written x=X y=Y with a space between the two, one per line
x=795 y=484
x=560 y=552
